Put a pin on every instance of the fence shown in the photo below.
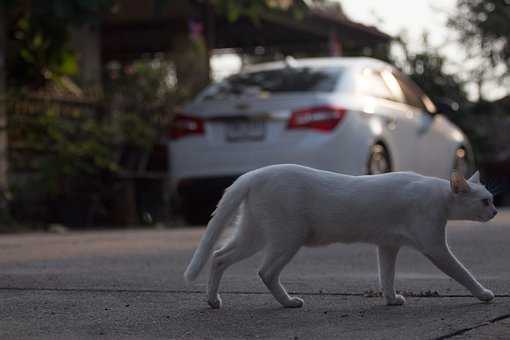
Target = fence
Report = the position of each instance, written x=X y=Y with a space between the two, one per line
x=69 y=163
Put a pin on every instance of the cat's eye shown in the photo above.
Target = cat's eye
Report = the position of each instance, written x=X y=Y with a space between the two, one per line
x=486 y=201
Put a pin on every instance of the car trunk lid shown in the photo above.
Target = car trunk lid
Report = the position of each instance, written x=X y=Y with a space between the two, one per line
x=259 y=120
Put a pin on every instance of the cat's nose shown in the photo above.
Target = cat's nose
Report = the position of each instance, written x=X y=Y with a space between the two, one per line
x=494 y=213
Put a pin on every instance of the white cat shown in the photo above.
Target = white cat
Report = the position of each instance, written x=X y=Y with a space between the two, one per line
x=284 y=207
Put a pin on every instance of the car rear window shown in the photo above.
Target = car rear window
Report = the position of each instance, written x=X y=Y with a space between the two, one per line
x=291 y=79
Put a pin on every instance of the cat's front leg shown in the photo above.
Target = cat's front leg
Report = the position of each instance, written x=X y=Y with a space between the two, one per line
x=387 y=259
x=444 y=259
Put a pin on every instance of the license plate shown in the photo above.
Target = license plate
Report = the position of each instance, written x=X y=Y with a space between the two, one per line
x=245 y=131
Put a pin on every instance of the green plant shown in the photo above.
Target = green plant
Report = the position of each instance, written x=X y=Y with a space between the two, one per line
x=39 y=31
x=60 y=141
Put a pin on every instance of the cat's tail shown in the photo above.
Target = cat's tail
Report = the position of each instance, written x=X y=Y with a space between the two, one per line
x=222 y=216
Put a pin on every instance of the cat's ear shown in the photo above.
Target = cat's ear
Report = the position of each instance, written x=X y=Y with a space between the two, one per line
x=475 y=178
x=458 y=183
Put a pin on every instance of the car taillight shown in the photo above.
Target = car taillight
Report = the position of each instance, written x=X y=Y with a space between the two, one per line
x=322 y=118
x=185 y=125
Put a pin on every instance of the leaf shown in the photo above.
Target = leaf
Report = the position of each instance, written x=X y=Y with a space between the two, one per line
x=233 y=11
x=24 y=23
x=69 y=64
x=38 y=41
x=27 y=55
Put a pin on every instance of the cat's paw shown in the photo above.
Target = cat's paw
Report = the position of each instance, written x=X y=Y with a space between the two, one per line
x=397 y=300
x=215 y=302
x=486 y=295
x=294 y=302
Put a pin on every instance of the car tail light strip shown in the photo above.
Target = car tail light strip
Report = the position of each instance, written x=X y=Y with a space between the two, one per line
x=321 y=118
x=183 y=125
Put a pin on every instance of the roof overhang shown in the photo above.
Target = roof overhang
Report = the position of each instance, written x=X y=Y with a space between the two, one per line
x=131 y=36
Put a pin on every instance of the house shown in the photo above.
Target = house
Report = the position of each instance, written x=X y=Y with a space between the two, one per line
x=137 y=28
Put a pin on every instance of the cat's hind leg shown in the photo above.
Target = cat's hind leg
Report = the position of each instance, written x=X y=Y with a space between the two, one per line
x=387 y=259
x=244 y=244
x=276 y=257
x=441 y=255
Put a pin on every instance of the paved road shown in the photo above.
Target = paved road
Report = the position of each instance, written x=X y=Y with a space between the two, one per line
x=127 y=284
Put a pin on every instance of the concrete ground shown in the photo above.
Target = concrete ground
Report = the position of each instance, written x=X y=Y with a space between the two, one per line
x=128 y=285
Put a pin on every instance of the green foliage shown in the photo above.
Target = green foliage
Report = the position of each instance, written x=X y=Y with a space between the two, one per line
x=39 y=51
x=484 y=27
x=39 y=34
x=66 y=143
x=141 y=96
x=427 y=69
x=61 y=141
x=75 y=152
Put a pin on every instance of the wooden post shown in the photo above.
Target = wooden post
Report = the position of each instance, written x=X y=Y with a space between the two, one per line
x=191 y=63
x=210 y=36
x=86 y=42
x=4 y=160
x=192 y=50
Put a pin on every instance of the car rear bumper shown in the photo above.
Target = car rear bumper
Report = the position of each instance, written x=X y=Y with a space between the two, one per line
x=224 y=164
x=349 y=158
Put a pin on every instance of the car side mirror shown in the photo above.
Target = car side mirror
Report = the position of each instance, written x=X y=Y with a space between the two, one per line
x=447 y=106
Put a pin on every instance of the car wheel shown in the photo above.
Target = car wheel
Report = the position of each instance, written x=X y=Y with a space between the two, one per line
x=379 y=161
x=462 y=162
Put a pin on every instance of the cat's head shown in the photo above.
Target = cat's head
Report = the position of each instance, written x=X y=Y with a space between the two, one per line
x=471 y=199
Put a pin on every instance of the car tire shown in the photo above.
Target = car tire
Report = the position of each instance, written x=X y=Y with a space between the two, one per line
x=379 y=160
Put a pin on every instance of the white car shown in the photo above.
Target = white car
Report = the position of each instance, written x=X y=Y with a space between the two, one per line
x=348 y=115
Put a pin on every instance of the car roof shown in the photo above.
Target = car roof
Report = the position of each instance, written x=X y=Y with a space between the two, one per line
x=349 y=62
